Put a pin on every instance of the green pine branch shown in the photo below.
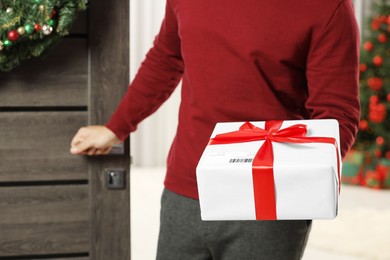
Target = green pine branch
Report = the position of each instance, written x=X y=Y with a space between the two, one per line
x=39 y=25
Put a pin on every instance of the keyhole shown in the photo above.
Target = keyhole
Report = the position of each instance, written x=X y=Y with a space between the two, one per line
x=111 y=177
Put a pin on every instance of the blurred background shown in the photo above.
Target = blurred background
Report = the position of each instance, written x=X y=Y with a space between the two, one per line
x=362 y=229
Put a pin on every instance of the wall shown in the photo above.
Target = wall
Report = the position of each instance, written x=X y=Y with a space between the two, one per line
x=151 y=142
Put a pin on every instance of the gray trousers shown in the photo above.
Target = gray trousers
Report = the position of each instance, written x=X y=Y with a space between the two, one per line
x=184 y=236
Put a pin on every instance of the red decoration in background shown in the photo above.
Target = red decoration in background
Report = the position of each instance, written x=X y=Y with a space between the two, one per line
x=378 y=153
x=363 y=67
x=383 y=175
x=363 y=125
x=380 y=140
x=37 y=27
x=368 y=46
x=382 y=38
x=373 y=179
x=376 y=24
x=377 y=113
x=377 y=60
x=374 y=99
x=13 y=35
x=375 y=83
x=374 y=136
x=383 y=19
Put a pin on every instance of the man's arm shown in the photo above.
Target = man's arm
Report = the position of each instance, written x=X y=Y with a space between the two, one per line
x=155 y=81
x=332 y=73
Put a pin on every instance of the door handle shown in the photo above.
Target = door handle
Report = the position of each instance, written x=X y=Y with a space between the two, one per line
x=117 y=149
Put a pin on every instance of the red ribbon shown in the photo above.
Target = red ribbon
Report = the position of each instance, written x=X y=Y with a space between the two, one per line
x=262 y=166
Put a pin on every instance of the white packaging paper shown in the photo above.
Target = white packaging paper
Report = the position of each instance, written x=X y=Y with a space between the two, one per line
x=306 y=178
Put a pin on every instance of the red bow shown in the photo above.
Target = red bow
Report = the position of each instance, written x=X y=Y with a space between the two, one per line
x=262 y=166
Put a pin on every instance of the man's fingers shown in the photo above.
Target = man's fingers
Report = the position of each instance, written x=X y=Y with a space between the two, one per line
x=107 y=150
x=79 y=137
x=77 y=146
x=93 y=140
x=103 y=151
x=92 y=151
x=81 y=147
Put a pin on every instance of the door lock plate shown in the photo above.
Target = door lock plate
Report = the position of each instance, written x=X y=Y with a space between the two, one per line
x=115 y=178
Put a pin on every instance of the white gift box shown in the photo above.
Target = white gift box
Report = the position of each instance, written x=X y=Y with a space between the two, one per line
x=306 y=175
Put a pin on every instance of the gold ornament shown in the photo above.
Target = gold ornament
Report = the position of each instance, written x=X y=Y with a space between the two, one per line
x=41 y=8
x=21 y=30
x=9 y=10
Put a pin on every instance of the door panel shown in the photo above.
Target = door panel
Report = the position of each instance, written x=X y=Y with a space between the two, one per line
x=44 y=220
x=80 y=25
x=59 y=80
x=35 y=146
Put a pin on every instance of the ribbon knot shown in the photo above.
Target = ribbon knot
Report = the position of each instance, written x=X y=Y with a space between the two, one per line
x=262 y=165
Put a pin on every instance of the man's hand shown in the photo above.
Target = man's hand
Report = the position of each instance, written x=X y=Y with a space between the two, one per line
x=93 y=140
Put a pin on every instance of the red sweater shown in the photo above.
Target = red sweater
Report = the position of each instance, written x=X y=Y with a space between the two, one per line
x=245 y=60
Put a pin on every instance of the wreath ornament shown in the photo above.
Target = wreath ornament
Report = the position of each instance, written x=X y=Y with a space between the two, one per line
x=29 y=28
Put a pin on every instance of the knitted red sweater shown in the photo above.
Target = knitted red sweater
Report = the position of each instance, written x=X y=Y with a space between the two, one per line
x=245 y=60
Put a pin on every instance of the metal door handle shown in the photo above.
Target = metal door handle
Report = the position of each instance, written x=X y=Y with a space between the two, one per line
x=118 y=149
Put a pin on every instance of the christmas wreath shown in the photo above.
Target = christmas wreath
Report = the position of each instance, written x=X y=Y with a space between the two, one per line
x=29 y=28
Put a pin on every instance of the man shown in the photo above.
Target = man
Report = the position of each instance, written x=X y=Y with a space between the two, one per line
x=243 y=60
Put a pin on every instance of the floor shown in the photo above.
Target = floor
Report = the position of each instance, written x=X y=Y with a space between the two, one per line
x=360 y=232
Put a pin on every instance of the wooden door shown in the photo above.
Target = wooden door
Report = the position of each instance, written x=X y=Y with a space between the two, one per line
x=54 y=205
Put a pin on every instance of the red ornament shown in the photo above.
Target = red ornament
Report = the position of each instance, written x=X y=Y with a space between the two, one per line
x=374 y=100
x=378 y=153
x=373 y=177
x=382 y=38
x=388 y=19
x=377 y=60
x=388 y=97
x=375 y=83
x=377 y=113
x=383 y=19
x=13 y=35
x=376 y=24
x=37 y=27
x=380 y=140
x=363 y=125
x=362 y=67
x=53 y=13
x=368 y=46
x=387 y=154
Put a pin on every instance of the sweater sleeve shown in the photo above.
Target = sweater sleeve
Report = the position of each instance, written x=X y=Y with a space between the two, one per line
x=156 y=79
x=332 y=74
